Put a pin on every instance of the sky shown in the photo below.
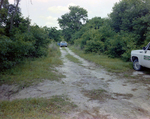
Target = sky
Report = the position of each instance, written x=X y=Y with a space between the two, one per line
x=46 y=12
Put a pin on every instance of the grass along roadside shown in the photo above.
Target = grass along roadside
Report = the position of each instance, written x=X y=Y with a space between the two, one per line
x=34 y=71
x=72 y=58
x=36 y=108
x=111 y=64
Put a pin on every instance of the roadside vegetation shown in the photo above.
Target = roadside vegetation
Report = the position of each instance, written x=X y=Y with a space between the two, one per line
x=36 y=108
x=34 y=70
x=115 y=65
x=25 y=55
x=72 y=58
x=19 y=40
x=126 y=28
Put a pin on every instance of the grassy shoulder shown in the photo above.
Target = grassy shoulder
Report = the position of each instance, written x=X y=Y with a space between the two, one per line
x=35 y=70
x=111 y=64
x=73 y=59
x=36 y=108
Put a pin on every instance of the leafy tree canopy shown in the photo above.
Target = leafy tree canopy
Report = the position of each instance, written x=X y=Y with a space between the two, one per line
x=132 y=16
x=53 y=33
x=72 y=21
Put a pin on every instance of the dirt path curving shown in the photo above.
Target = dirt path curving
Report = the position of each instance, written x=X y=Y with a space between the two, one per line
x=97 y=93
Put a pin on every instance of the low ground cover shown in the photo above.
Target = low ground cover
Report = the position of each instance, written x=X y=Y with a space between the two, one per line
x=36 y=108
x=111 y=64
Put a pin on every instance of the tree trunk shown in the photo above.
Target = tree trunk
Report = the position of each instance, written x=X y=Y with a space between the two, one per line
x=13 y=15
x=1 y=4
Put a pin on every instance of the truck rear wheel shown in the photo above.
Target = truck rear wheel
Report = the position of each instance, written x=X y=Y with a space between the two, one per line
x=136 y=65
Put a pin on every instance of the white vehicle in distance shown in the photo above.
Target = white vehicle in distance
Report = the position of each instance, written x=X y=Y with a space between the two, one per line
x=141 y=58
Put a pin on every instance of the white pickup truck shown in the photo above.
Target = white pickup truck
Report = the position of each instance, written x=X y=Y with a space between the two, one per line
x=141 y=58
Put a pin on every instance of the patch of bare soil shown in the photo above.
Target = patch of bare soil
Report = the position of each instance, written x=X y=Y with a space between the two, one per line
x=97 y=93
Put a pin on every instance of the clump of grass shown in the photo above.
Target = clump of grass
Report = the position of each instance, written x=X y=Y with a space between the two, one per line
x=97 y=94
x=111 y=64
x=34 y=70
x=124 y=96
x=73 y=59
x=36 y=108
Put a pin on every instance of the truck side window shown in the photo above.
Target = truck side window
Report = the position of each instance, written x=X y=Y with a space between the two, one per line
x=148 y=46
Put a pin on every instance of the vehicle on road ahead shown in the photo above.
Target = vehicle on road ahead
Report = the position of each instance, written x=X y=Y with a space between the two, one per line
x=141 y=58
x=63 y=44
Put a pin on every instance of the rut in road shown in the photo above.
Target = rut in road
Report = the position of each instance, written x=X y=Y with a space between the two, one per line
x=96 y=92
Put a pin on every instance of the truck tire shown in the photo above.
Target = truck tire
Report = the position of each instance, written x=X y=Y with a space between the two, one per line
x=136 y=65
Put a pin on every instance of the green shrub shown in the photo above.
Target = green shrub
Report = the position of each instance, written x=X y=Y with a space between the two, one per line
x=129 y=45
x=41 y=41
x=13 y=52
x=22 y=45
x=115 y=48
x=94 y=46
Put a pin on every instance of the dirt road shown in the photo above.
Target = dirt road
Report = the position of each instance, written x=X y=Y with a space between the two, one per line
x=97 y=93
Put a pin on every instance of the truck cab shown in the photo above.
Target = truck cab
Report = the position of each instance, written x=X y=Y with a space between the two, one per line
x=141 y=58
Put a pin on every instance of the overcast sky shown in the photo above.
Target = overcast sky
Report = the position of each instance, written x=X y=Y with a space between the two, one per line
x=46 y=12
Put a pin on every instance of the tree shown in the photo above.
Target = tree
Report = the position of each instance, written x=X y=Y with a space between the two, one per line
x=4 y=5
x=13 y=15
x=1 y=4
x=132 y=16
x=53 y=33
x=72 y=21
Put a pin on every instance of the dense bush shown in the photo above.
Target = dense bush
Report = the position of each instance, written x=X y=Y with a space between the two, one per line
x=22 y=45
x=12 y=52
x=126 y=28
x=19 y=40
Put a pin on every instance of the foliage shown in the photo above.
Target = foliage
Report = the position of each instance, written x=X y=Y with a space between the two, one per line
x=87 y=32
x=36 y=108
x=94 y=23
x=111 y=64
x=132 y=16
x=41 y=41
x=34 y=70
x=126 y=28
x=73 y=59
x=53 y=33
x=12 y=52
x=19 y=40
x=72 y=21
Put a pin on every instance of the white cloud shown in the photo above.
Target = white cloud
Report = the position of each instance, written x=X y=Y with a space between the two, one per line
x=71 y=4
x=50 y=21
x=11 y=1
x=58 y=9
x=52 y=24
x=41 y=0
x=51 y=18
